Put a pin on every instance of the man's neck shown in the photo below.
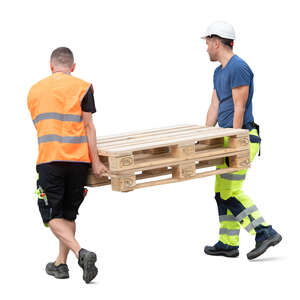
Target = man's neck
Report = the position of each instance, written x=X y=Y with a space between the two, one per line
x=225 y=58
x=68 y=72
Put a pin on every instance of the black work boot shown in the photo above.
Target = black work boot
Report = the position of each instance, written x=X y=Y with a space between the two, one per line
x=87 y=261
x=59 y=272
x=262 y=246
x=218 y=250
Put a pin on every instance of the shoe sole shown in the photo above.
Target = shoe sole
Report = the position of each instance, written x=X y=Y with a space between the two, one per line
x=277 y=240
x=90 y=271
x=56 y=275
x=223 y=253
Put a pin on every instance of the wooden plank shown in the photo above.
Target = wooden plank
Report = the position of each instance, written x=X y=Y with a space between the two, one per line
x=171 y=136
x=212 y=142
x=167 y=161
x=131 y=140
x=173 y=180
x=94 y=181
x=189 y=138
x=157 y=172
x=210 y=163
x=142 y=133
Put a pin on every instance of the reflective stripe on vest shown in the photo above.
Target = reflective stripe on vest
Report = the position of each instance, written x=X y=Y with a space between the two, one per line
x=55 y=107
x=62 y=139
x=57 y=116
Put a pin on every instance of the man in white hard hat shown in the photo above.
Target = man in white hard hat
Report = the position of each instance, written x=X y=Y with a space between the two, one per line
x=231 y=107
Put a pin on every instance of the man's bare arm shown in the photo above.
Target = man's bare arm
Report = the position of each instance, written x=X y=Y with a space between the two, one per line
x=240 y=96
x=98 y=167
x=212 y=114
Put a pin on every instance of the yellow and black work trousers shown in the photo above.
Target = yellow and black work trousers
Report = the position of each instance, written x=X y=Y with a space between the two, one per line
x=234 y=206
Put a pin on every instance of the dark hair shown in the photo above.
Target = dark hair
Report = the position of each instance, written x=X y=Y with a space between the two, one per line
x=62 y=56
x=226 y=42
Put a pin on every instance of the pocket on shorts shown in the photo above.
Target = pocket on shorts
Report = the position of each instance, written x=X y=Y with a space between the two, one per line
x=45 y=211
x=44 y=208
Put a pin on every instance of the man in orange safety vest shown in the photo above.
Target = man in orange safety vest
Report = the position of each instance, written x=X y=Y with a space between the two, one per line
x=61 y=107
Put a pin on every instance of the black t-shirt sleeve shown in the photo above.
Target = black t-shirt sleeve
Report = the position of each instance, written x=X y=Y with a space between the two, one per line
x=88 y=101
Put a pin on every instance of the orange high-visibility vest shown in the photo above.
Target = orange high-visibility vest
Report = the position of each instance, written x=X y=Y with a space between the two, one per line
x=55 y=107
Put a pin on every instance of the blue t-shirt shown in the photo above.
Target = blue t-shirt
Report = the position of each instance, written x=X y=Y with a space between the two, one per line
x=236 y=73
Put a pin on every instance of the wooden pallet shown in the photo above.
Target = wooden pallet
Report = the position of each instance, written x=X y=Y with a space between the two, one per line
x=180 y=152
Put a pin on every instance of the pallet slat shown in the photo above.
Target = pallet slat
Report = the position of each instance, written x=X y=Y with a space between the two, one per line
x=122 y=150
x=174 y=180
x=156 y=136
x=149 y=132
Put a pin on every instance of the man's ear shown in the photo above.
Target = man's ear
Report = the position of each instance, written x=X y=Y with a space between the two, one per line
x=51 y=66
x=217 y=43
x=73 y=67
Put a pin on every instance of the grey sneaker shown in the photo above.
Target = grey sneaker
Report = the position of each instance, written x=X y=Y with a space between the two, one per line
x=87 y=261
x=59 y=272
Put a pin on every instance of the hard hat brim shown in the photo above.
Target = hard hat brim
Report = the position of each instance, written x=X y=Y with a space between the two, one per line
x=223 y=37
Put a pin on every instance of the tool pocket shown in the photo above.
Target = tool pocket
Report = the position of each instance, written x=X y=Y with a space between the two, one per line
x=255 y=143
x=44 y=208
x=254 y=139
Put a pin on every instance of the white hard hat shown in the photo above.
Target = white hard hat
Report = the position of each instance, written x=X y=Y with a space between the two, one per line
x=222 y=29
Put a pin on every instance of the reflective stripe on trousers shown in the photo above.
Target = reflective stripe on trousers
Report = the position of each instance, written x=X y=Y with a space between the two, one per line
x=232 y=176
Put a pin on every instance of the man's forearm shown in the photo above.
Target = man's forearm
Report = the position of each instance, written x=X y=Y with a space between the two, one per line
x=92 y=142
x=238 y=117
x=212 y=117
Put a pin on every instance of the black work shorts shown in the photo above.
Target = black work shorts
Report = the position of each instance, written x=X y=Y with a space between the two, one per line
x=61 y=189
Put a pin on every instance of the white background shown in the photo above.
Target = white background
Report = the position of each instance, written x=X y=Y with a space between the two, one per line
x=150 y=69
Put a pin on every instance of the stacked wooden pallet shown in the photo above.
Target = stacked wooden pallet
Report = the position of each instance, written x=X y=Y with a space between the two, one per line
x=181 y=152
